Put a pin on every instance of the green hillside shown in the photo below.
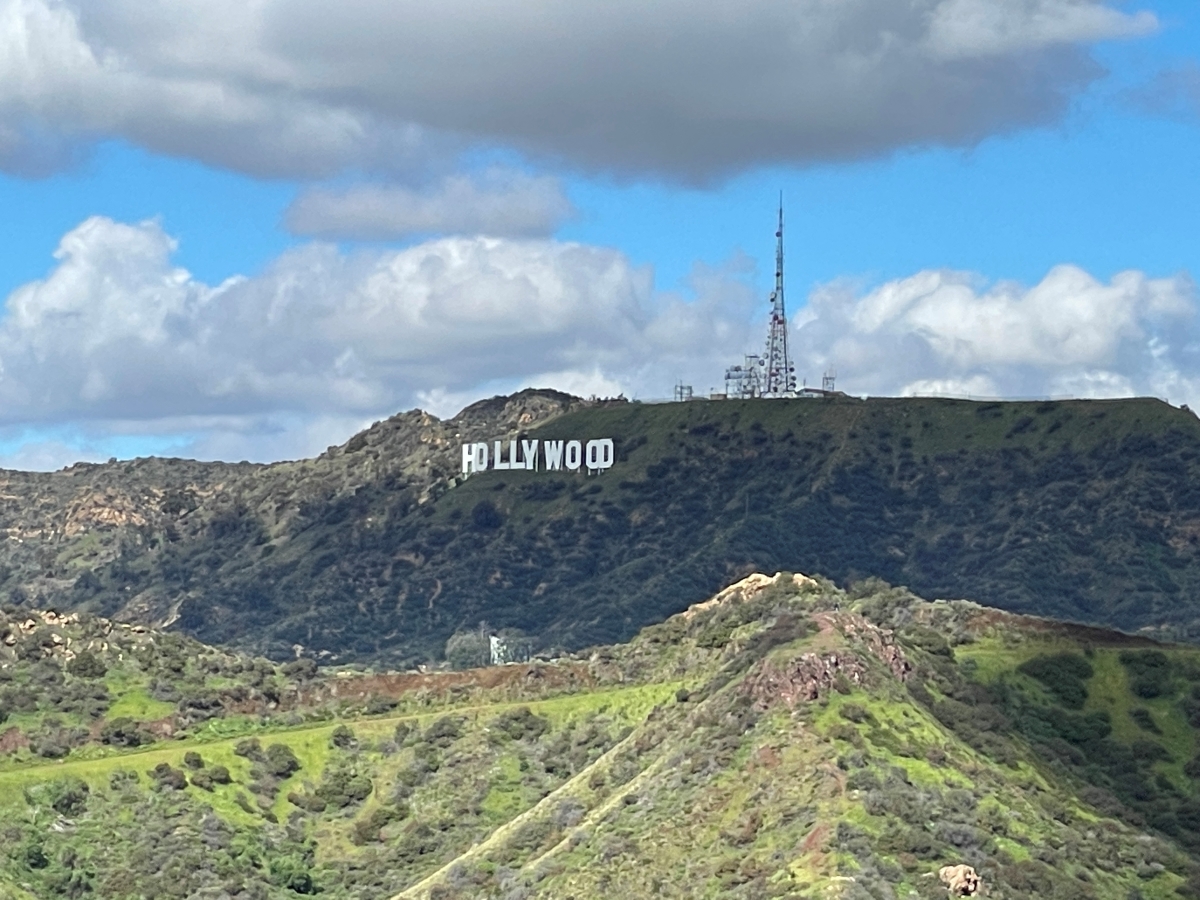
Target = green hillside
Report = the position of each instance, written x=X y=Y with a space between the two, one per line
x=784 y=740
x=379 y=550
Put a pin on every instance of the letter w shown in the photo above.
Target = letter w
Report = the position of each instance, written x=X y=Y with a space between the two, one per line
x=554 y=454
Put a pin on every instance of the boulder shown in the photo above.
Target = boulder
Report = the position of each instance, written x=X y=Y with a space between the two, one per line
x=962 y=881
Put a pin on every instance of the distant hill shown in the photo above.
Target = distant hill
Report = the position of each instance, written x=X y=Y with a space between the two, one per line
x=380 y=550
x=784 y=739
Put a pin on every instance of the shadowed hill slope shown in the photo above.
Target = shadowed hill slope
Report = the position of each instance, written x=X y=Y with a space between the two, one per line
x=1084 y=510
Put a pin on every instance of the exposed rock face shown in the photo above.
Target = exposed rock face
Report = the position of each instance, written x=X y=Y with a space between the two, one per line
x=809 y=676
x=803 y=679
x=879 y=642
x=745 y=590
x=961 y=881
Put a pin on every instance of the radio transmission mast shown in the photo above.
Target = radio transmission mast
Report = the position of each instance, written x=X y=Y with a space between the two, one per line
x=779 y=378
x=769 y=375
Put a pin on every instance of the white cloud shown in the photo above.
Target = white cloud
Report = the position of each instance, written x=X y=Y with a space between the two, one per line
x=117 y=349
x=498 y=203
x=118 y=341
x=674 y=88
x=944 y=332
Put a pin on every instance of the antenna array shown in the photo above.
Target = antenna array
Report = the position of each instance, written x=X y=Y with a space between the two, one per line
x=772 y=374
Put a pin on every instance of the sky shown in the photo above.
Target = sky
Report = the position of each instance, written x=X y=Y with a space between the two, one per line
x=245 y=230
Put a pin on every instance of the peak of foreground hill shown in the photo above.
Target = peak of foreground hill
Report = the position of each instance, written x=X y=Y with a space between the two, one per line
x=380 y=550
x=784 y=739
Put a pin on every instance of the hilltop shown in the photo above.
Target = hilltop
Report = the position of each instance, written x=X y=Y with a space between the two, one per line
x=783 y=739
x=380 y=550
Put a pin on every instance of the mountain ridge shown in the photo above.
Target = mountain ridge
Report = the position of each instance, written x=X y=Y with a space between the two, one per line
x=381 y=549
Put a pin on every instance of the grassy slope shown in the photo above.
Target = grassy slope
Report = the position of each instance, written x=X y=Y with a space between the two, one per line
x=688 y=763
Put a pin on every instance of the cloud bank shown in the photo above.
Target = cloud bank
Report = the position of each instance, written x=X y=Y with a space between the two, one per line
x=675 y=89
x=498 y=204
x=117 y=341
x=946 y=332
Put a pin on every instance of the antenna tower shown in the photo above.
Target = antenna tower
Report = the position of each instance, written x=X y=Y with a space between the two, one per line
x=779 y=378
x=769 y=375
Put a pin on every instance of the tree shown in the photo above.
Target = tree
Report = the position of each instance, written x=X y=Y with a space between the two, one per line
x=468 y=649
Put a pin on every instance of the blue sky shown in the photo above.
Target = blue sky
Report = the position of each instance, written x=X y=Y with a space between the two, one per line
x=1008 y=206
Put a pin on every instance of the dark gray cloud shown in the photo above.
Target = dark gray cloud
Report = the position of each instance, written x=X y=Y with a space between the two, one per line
x=677 y=89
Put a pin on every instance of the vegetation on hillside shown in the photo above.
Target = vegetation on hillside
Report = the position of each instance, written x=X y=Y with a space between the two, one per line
x=786 y=739
x=379 y=550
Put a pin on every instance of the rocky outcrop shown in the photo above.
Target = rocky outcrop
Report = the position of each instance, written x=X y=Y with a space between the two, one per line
x=803 y=679
x=879 y=642
x=961 y=881
x=809 y=676
x=746 y=590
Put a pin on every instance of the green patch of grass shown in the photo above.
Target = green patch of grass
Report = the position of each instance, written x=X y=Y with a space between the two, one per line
x=504 y=799
x=137 y=704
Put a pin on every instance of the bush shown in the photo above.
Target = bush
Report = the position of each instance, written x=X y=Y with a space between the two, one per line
x=342 y=738
x=468 y=650
x=344 y=786
x=1063 y=675
x=124 y=732
x=368 y=828
x=485 y=516
x=519 y=724
x=301 y=669
x=220 y=775
x=193 y=760
x=281 y=761
x=167 y=778
x=251 y=749
x=1149 y=672
x=1141 y=716
x=444 y=731
x=87 y=665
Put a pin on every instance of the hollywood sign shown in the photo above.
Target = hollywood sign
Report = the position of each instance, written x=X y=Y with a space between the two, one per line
x=535 y=455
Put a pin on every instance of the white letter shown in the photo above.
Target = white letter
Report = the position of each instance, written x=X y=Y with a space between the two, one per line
x=496 y=464
x=574 y=454
x=554 y=454
x=468 y=458
x=600 y=454
x=513 y=463
x=481 y=457
x=529 y=451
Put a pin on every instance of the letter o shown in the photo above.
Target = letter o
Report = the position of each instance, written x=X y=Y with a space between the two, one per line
x=600 y=454
x=574 y=454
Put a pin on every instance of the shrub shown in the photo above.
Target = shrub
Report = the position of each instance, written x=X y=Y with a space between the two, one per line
x=468 y=650
x=519 y=724
x=251 y=749
x=1063 y=675
x=124 y=732
x=167 y=778
x=444 y=732
x=343 y=786
x=852 y=712
x=1141 y=716
x=281 y=761
x=87 y=665
x=342 y=737
x=1149 y=672
x=193 y=760
x=220 y=775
